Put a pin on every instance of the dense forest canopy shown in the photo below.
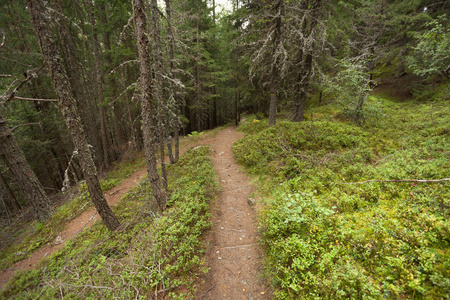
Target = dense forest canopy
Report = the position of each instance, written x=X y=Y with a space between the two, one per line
x=204 y=69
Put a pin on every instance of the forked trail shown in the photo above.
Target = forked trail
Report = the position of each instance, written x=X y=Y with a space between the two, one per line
x=233 y=254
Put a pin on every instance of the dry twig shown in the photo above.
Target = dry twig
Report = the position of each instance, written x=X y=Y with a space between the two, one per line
x=400 y=180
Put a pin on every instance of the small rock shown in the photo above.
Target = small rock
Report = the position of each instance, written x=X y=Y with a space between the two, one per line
x=251 y=201
x=58 y=240
x=219 y=257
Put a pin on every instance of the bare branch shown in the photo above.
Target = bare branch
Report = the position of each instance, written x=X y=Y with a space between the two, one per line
x=17 y=88
x=16 y=62
x=125 y=27
x=35 y=99
x=122 y=64
x=22 y=125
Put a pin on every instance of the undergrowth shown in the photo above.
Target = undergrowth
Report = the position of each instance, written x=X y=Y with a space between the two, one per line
x=151 y=256
x=330 y=236
x=40 y=233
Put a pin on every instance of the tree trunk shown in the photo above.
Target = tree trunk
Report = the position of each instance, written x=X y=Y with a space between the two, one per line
x=10 y=200
x=275 y=76
x=99 y=84
x=197 y=70
x=68 y=107
x=304 y=61
x=148 y=126
x=117 y=107
x=236 y=113
x=89 y=112
x=301 y=92
x=157 y=61
x=23 y=174
x=176 y=136
x=177 y=101
x=273 y=103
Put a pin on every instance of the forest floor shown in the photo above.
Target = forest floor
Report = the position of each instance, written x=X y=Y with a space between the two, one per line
x=233 y=254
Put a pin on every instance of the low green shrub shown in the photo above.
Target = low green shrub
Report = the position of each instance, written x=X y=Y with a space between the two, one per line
x=153 y=253
x=329 y=234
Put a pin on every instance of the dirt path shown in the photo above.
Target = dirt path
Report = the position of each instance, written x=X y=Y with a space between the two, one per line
x=86 y=219
x=233 y=254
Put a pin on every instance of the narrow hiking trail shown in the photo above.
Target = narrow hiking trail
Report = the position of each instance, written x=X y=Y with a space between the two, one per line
x=232 y=256
x=233 y=253
x=75 y=226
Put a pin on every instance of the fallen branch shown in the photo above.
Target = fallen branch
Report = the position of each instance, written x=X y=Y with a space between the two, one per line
x=240 y=246
x=88 y=286
x=84 y=226
x=228 y=269
x=204 y=295
x=400 y=180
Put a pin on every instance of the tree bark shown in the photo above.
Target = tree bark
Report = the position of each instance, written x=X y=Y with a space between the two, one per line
x=68 y=108
x=148 y=126
x=99 y=84
x=89 y=112
x=23 y=174
x=197 y=70
x=275 y=75
x=301 y=92
x=305 y=60
x=158 y=63
x=177 y=101
x=117 y=107
x=10 y=200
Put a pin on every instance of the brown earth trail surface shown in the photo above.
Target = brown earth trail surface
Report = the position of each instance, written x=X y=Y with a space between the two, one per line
x=233 y=254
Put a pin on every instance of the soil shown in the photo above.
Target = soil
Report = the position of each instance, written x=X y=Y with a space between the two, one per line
x=233 y=255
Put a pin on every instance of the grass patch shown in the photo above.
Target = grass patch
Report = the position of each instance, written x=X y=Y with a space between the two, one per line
x=327 y=239
x=154 y=254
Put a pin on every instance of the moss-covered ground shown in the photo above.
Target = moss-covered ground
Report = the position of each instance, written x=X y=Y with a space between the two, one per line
x=327 y=234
